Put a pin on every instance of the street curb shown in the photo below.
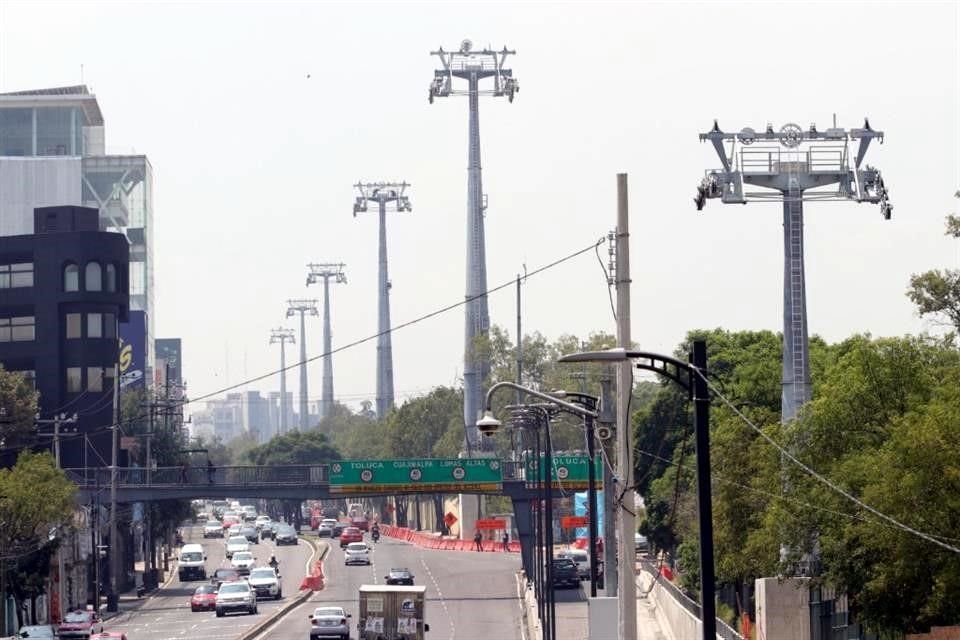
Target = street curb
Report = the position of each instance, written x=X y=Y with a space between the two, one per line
x=299 y=599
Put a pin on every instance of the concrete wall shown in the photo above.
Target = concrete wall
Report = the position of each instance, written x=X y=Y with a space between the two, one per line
x=30 y=182
x=783 y=608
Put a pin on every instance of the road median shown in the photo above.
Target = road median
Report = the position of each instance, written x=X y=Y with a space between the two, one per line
x=320 y=550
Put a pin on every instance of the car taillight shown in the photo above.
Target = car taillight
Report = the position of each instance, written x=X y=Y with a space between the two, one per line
x=315 y=622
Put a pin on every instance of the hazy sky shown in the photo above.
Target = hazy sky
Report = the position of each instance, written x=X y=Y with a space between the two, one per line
x=258 y=118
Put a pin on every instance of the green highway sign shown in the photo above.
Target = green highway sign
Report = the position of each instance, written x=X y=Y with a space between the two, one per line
x=567 y=472
x=443 y=475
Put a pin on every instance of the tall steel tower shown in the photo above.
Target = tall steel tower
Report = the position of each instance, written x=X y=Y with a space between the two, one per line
x=282 y=336
x=794 y=166
x=303 y=307
x=326 y=271
x=474 y=66
x=383 y=193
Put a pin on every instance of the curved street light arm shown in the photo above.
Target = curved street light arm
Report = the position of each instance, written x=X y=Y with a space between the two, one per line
x=569 y=406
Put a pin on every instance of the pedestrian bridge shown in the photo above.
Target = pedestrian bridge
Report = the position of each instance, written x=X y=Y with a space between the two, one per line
x=295 y=482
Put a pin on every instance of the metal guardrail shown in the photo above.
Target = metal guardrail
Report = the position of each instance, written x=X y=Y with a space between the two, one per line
x=724 y=631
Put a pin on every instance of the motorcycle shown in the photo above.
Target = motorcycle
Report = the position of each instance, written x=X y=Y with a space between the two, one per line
x=375 y=534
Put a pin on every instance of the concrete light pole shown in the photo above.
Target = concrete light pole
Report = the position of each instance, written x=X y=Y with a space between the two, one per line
x=474 y=66
x=383 y=193
x=303 y=307
x=326 y=271
x=282 y=336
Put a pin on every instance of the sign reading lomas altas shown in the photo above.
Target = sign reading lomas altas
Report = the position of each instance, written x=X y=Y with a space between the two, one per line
x=428 y=474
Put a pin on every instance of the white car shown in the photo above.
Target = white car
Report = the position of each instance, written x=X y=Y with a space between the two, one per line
x=266 y=583
x=262 y=521
x=356 y=553
x=325 y=530
x=237 y=544
x=213 y=529
x=234 y=596
x=242 y=561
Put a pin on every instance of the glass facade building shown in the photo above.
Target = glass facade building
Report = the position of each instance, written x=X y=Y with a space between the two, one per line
x=52 y=153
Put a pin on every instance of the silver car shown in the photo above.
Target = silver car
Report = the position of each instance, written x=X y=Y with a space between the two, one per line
x=236 y=596
x=329 y=622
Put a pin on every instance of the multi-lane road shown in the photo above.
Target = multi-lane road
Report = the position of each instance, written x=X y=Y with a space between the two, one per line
x=470 y=596
x=167 y=615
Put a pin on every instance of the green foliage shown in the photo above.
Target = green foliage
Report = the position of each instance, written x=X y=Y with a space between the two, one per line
x=296 y=447
x=18 y=408
x=35 y=497
x=937 y=293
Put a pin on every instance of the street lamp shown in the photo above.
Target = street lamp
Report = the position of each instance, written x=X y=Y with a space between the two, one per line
x=691 y=376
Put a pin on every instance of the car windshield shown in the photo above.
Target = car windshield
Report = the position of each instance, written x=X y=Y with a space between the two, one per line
x=328 y=612
x=243 y=555
x=205 y=589
x=220 y=573
x=237 y=540
x=191 y=556
x=77 y=616
x=262 y=573
x=213 y=523
x=356 y=546
x=234 y=587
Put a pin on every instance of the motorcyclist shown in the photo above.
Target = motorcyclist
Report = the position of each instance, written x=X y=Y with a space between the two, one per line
x=274 y=563
x=375 y=532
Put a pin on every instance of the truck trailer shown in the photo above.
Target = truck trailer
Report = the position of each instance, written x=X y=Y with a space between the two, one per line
x=392 y=612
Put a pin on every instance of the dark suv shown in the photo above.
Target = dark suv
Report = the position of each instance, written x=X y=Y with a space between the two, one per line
x=224 y=575
x=565 y=573
x=250 y=533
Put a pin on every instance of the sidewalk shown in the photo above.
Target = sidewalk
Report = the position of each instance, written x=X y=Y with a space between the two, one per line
x=128 y=601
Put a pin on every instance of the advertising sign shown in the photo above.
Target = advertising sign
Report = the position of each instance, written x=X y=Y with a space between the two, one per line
x=580 y=507
x=441 y=475
x=133 y=351
x=573 y=522
x=169 y=357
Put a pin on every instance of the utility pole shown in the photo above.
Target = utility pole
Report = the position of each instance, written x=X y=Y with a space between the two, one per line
x=327 y=271
x=519 y=345
x=303 y=307
x=282 y=336
x=383 y=193
x=627 y=587
x=57 y=421
x=474 y=66
x=113 y=600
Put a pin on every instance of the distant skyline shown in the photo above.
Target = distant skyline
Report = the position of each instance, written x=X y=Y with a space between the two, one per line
x=259 y=117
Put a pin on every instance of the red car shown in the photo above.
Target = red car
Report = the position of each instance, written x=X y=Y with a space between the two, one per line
x=204 y=598
x=360 y=523
x=350 y=534
x=229 y=522
x=80 y=624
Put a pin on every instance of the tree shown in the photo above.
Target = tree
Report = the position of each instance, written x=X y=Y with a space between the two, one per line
x=937 y=292
x=18 y=408
x=36 y=501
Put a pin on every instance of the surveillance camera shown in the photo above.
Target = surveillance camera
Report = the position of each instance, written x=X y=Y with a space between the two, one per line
x=604 y=433
x=488 y=425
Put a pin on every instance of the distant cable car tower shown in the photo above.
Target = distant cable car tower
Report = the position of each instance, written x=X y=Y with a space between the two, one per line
x=473 y=66
x=793 y=166
x=326 y=271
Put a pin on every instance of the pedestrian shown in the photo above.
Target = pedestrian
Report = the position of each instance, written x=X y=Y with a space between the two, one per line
x=183 y=473
x=211 y=470
x=478 y=540
x=506 y=541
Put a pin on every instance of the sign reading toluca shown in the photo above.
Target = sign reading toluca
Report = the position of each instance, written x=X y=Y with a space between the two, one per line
x=431 y=474
x=567 y=471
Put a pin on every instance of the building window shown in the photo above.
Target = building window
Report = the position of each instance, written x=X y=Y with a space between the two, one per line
x=74 y=326
x=111 y=273
x=71 y=278
x=94 y=325
x=16 y=275
x=16 y=132
x=94 y=378
x=109 y=325
x=18 y=329
x=74 y=383
x=93 y=278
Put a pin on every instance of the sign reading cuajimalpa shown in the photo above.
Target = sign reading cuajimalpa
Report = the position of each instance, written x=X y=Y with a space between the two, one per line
x=442 y=475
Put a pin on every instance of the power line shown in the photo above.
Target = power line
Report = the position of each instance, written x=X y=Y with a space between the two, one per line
x=822 y=479
x=349 y=345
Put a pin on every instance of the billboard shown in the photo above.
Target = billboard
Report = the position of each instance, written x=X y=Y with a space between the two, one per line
x=133 y=351
x=169 y=356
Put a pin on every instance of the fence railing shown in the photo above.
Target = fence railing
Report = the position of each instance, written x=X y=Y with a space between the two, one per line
x=724 y=630
x=226 y=476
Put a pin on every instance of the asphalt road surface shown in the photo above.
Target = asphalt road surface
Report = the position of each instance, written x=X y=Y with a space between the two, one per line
x=470 y=596
x=167 y=615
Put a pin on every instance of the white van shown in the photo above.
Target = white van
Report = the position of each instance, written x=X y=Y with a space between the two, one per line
x=192 y=565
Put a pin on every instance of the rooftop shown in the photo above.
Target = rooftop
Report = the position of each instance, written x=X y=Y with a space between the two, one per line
x=74 y=96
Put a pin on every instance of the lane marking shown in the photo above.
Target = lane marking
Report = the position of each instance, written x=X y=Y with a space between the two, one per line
x=443 y=602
